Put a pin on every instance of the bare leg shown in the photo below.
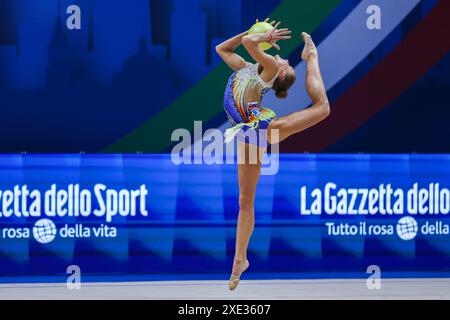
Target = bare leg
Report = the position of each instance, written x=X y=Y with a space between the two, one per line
x=303 y=119
x=248 y=176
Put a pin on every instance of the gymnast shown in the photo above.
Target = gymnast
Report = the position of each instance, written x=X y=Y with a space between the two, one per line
x=242 y=104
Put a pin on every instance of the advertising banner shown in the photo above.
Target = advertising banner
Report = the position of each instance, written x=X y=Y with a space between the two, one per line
x=123 y=214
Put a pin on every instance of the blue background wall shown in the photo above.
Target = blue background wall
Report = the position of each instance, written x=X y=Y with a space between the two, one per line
x=83 y=90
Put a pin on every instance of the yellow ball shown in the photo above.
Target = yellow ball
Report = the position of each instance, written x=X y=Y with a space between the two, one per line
x=261 y=27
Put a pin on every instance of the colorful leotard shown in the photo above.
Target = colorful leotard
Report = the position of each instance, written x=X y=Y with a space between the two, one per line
x=242 y=100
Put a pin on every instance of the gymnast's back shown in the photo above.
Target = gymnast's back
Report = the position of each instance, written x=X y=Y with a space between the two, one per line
x=244 y=89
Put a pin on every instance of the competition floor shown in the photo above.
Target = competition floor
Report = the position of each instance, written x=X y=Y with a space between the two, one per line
x=250 y=289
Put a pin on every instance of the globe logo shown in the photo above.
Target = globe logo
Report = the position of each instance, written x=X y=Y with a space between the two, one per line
x=44 y=231
x=407 y=228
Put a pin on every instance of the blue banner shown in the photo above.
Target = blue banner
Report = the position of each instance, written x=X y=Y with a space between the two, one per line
x=144 y=214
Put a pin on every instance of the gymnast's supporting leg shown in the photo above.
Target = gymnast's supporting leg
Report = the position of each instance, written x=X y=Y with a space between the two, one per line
x=249 y=169
x=320 y=109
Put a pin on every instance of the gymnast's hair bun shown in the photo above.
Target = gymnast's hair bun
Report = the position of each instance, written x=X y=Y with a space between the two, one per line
x=281 y=94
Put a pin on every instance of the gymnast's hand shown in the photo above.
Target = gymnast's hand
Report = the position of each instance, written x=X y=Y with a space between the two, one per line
x=267 y=20
x=276 y=34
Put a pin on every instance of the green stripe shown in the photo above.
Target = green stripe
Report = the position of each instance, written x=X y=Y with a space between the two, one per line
x=205 y=100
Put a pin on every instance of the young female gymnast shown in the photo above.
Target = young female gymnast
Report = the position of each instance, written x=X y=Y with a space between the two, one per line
x=242 y=104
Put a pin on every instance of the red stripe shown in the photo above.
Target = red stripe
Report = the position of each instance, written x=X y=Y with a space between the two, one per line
x=421 y=49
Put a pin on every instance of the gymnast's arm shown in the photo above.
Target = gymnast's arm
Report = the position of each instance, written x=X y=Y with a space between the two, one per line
x=226 y=51
x=251 y=44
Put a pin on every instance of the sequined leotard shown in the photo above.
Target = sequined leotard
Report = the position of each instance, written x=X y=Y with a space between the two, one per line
x=242 y=101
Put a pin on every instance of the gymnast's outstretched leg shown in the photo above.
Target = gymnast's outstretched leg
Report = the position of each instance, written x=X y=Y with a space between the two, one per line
x=320 y=109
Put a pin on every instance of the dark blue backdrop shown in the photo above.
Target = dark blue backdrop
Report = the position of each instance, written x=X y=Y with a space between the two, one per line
x=71 y=91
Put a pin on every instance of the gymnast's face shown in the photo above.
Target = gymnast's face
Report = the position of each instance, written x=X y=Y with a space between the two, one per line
x=285 y=67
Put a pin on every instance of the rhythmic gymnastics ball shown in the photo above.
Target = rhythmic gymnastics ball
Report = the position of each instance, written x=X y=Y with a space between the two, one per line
x=261 y=27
